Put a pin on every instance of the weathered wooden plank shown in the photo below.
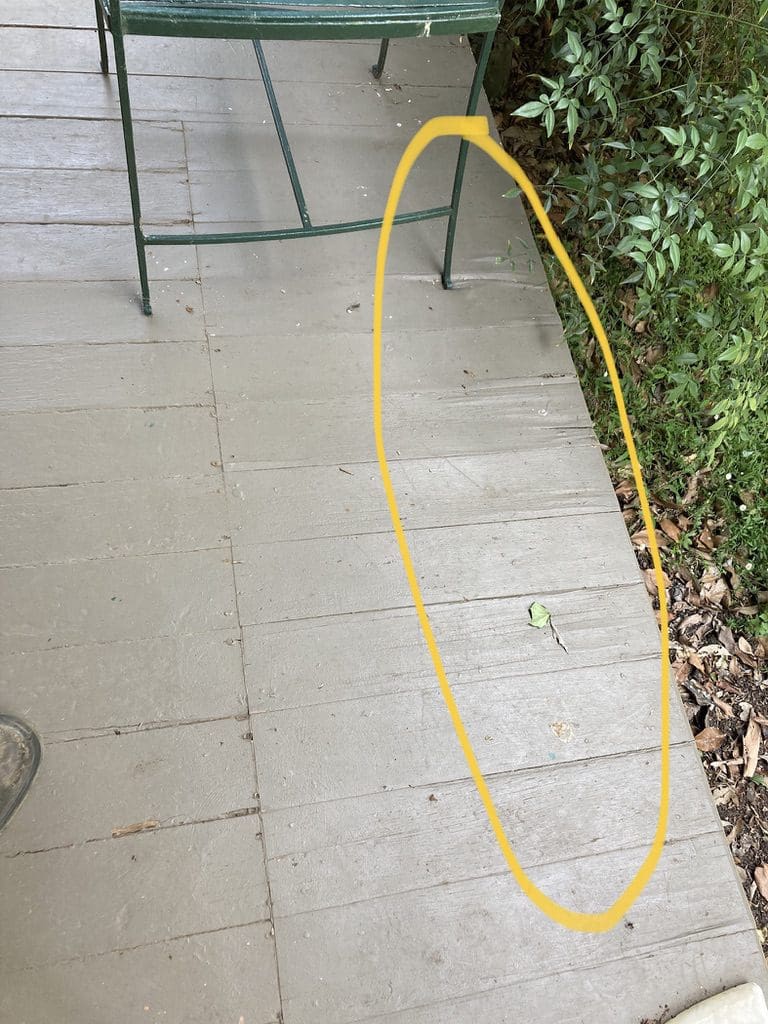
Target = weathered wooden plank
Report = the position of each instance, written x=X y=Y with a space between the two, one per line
x=73 y=692
x=196 y=979
x=42 y=312
x=104 y=376
x=647 y=985
x=233 y=305
x=129 y=892
x=91 y=197
x=97 y=145
x=449 y=942
x=504 y=416
x=61 y=94
x=339 y=575
x=368 y=163
x=333 y=501
x=311 y=366
x=40 y=13
x=355 y=747
x=409 y=62
x=84 y=252
x=134 y=517
x=334 y=853
x=56 y=448
x=319 y=660
x=115 y=599
x=176 y=776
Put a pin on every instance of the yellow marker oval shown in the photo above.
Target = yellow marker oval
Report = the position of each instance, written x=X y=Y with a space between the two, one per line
x=475 y=131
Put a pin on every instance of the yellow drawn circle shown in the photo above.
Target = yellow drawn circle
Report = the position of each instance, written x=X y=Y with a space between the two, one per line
x=475 y=130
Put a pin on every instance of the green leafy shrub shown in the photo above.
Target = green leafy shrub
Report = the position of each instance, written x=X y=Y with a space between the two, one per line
x=657 y=114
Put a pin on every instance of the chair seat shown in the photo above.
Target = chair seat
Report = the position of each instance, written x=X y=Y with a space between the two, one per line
x=306 y=19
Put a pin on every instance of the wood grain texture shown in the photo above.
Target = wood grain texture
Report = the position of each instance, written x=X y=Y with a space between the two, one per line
x=294 y=664
x=196 y=979
x=59 y=94
x=75 y=49
x=273 y=366
x=133 y=891
x=413 y=303
x=85 y=252
x=104 y=376
x=452 y=941
x=41 y=525
x=341 y=575
x=328 y=501
x=75 y=312
x=42 y=142
x=644 y=987
x=156 y=595
x=351 y=748
x=93 y=445
x=73 y=692
x=65 y=196
x=337 y=852
x=498 y=416
x=172 y=776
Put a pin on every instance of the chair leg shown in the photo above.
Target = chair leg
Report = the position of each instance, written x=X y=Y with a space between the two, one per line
x=378 y=68
x=474 y=96
x=130 y=156
x=102 y=37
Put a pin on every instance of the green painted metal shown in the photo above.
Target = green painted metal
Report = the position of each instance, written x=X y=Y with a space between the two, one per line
x=130 y=155
x=281 y=234
x=277 y=117
x=298 y=19
x=458 y=181
x=306 y=19
x=378 y=68
x=102 y=37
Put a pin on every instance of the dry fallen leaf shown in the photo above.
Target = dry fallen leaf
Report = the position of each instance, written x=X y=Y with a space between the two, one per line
x=139 y=826
x=671 y=529
x=625 y=490
x=751 y=748
x=697 y=663
x=693 y=486
x=640 y=539
x=713 y=588
x=709 y=739
x=725 y=708
x=761 y=879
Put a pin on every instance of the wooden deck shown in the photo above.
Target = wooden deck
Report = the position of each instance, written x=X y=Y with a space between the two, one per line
x=204 y=614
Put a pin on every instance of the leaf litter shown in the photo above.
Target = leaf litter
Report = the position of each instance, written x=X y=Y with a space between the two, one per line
x=722 y=677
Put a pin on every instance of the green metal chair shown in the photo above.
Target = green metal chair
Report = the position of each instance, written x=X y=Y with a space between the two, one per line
x=297 y=19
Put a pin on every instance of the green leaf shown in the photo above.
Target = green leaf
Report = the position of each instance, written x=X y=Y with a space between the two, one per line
x=539 y=615
x=572 y=122
x=757 y=141
x=674 y=135
x=674 y=255
x=532 y=109
x=641 y=223
x=722 y=249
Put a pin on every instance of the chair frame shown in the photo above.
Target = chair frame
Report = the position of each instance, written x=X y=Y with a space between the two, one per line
x=110 y=17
